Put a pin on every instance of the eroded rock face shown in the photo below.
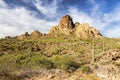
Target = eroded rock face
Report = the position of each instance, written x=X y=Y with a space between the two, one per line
x=66 y=22
x=67 y=27
x=84 y=31
x=54 y=30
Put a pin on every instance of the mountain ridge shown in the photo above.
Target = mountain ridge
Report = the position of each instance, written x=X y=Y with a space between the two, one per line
x=67 y=27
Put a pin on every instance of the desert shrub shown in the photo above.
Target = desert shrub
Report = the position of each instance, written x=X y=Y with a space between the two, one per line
x=1 y=53
x=46 y=63
x=20 y=58
x=7 y=67
x=117 y=64
x=23 y=61
x=42 y=62
x=86 y=69
x=54 y=51
x=66 y=63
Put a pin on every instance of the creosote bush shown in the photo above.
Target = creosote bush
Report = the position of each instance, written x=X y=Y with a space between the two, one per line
x=66 y=63
x=43 y=62
x=86 y=69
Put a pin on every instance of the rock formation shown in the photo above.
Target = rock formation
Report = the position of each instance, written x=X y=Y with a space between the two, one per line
x=84 y=31
x=66 y=22
x=67 y=27
x=24 y=36
x=8 y=37
x=36 y=33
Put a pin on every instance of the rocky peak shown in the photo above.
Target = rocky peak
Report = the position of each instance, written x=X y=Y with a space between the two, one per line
x=66 y=22
x=36 y=33
x=67 y=27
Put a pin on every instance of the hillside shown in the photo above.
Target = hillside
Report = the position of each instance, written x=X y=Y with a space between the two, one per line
x=70 y=51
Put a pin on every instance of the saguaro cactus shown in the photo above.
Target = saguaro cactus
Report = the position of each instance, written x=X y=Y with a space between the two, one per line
x=93 y=52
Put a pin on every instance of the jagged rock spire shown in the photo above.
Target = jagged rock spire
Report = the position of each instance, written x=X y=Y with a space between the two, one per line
x=66 y=22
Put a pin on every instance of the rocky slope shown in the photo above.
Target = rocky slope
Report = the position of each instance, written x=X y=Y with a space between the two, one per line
x=66 y=26
x=108 y=65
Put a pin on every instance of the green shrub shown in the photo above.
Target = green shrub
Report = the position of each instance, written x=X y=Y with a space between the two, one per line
x=42 y=62
x=66 y=63
x=20 y=58
x=55 y=51
x=86 y=69
x=46 y=63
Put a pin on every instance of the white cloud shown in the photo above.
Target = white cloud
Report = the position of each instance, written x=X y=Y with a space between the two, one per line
x=114 y=32
x=49 y=10
x=2 y=4
x=19 y=20
x=79 y=16
x=92 y=1
x=113 y=16
x=98 y=19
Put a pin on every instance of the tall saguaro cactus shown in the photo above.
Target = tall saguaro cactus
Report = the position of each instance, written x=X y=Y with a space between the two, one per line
x=93 y=52
x=103 y=46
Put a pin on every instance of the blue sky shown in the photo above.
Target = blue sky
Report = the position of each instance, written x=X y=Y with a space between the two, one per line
x=19 y=16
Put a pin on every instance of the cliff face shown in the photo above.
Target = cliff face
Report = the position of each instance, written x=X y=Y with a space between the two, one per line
x=84 y=31
x=66 y=22
x=67 y=27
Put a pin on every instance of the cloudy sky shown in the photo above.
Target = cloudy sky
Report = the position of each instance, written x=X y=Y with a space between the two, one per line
x=19 y=16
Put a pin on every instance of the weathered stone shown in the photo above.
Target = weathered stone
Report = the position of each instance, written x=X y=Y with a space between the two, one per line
x=36 y=33
x=67 y=27
x=66 y=22
x=23 y=36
